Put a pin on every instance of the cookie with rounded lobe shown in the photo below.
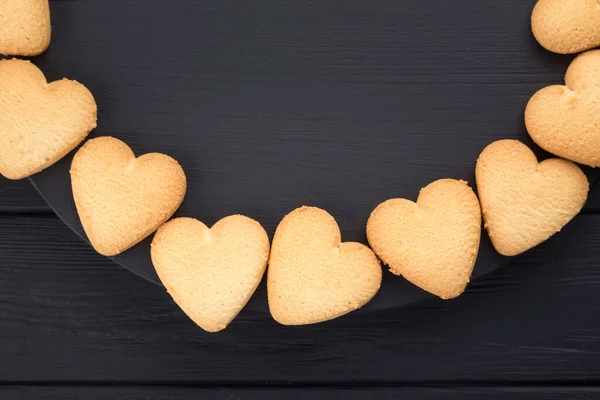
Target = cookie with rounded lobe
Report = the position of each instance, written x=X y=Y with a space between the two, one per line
x=567 y=26
x=313 y=276
x=40 y=122
x=525 y=202
x=211 y=273
x=564 y=120
x=122 y=199
x=432 y=243
x=24 y=27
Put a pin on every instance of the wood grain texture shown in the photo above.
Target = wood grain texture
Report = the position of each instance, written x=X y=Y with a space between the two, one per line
x=20 y=197
x=593 y=203
x=73 y=323
x=67 y=314
x=298 y=393
x=272 y=105
x=269 y=106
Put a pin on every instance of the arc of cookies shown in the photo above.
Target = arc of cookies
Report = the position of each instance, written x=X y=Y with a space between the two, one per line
x=313 y=276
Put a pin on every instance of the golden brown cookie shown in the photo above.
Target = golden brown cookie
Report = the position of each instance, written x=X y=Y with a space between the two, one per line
x=434 y=242
x=24 y=27
x=313 y=276
x=564 y=120
x=122 y=199
x=523 y=202
x=567 y=26
x=39 y=122
x=211 y=273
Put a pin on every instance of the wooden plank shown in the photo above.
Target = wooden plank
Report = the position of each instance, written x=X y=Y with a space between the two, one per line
x=20 y=196
x=593 y=203
x=69 y=314
x=292 y=393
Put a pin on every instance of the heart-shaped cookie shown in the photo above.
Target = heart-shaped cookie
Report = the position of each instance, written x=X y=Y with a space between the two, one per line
x=523 y=202
x=211 y=273
x=24 y=27
x=313 y=276
x=39 y=122
x=434 y=242
x=567 y=26
x=564 y=120
x=121 y=199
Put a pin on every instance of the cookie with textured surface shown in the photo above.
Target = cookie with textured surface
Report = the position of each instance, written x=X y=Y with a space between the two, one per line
x=523 y=202
x=564 y=119
x=24 y=27
x=122 y=199
x=434 y=242
x=567 y=26
x=211 y=273
x=313 y=276
x=40 y=122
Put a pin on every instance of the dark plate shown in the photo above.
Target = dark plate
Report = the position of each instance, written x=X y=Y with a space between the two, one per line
x=270 y=105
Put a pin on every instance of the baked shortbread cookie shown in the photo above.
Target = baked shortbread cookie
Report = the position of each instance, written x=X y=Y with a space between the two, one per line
x=313 y=276
x=121 y=199
x=564 y=120
x=24 y=27
x=523 y=202
x=211 y=273
x=40 y=122
x=567 y=26
x=434 y=242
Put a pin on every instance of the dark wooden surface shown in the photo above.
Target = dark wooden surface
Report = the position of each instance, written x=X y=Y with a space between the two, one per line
x=295 y=393
x=270 y=105
x=75 y=325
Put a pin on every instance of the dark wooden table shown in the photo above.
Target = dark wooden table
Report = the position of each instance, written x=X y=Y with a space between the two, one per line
x=75 y=325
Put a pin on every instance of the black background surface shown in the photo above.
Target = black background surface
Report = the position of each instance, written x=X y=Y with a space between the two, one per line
x=270 y=105
x=444 y=77
x=73 y=325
